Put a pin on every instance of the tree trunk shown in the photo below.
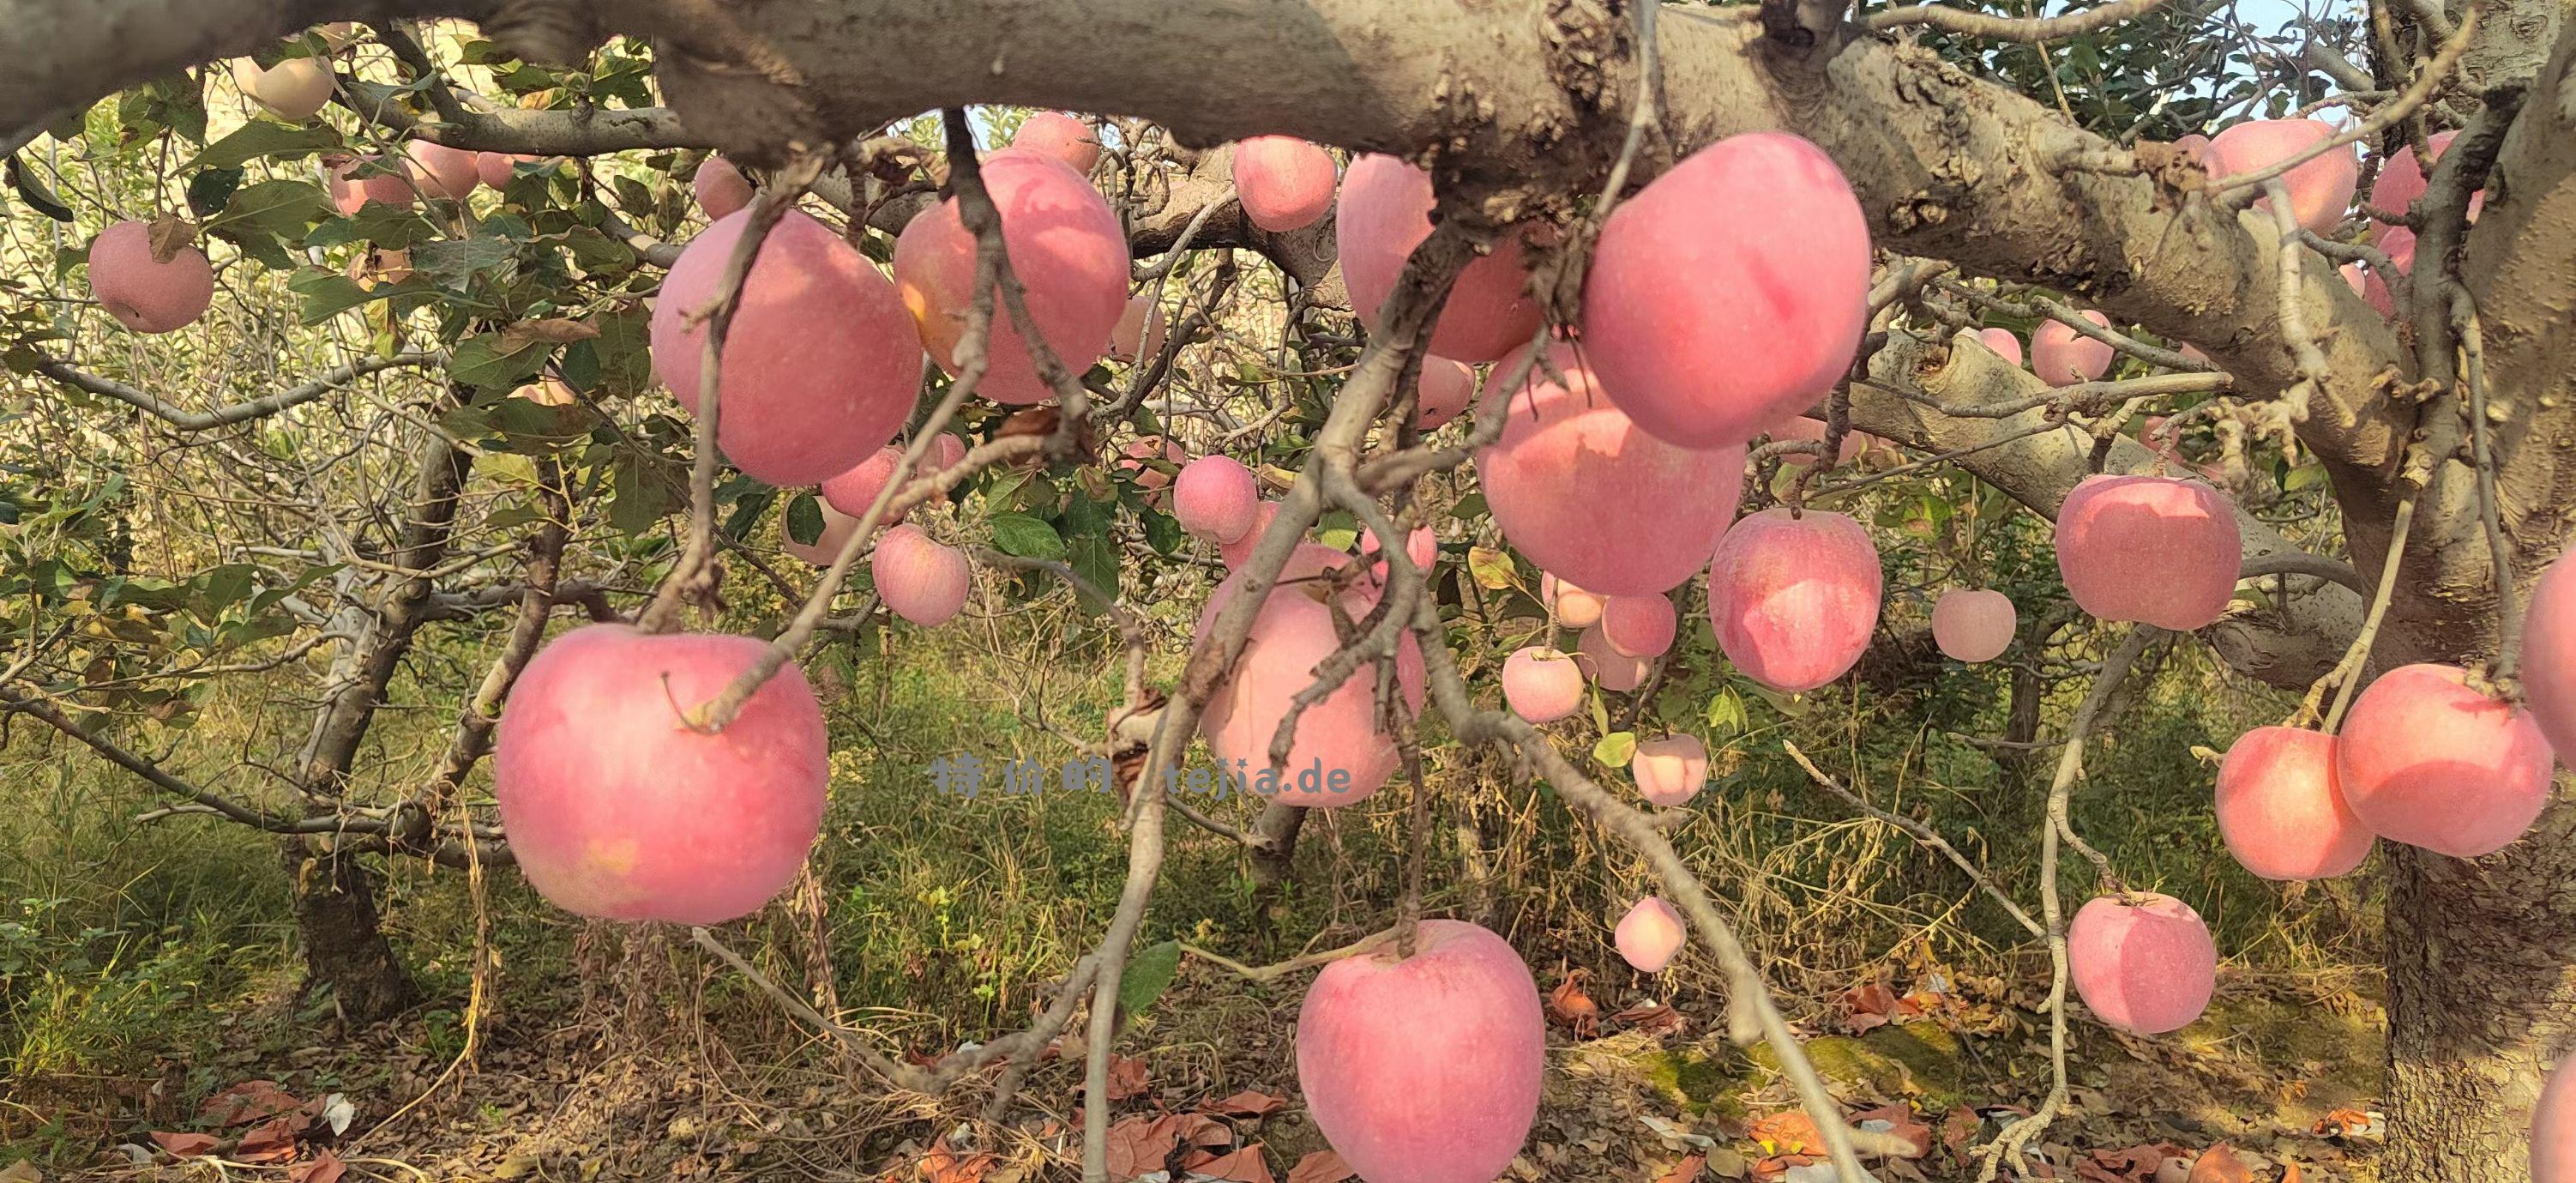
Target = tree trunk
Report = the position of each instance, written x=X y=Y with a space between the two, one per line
x=344 y=945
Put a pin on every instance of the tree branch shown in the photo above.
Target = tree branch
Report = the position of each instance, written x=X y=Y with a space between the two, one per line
x=269 y=404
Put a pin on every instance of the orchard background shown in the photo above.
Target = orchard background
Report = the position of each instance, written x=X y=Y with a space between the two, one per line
x=283 y=536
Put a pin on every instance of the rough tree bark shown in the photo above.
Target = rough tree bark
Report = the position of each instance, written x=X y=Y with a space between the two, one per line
x=1520 y=103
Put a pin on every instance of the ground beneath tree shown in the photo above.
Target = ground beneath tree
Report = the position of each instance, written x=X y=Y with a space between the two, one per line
x=579 y=1085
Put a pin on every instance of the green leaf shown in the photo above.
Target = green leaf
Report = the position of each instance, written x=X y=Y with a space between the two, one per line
x=479 y=361
x=1726 y=712
x=1026 y=537
x=1164 y=534
x=1469 y=507
x=390 y=227
x=641 y=495
x=287 y=208
x=1616 y=749
x=34 y=191
x=747 y=511
x=1149 y=973
x=455 y=260
x=2305 y=476
x=805 y=519
x=1095 y=558
x=328 y=294
x=208 y=191
x=1491 y=569
x=266 y=138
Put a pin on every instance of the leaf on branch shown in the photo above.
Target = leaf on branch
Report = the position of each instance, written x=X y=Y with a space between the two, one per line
x=36 y=194
x=1616 y=749
x=210 y=189
x=805 y=519
x=168 y=235
x=1148 y=974
x=1491 y=569
x=261 y=138
x=1026 y=537
x=551 y=330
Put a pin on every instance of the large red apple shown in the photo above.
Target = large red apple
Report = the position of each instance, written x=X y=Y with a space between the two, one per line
x=2063 y=357
x=1447 y=387
x=616 y=809
x=854 y=491
x=2281 y=810
x=442 y=171
x=2320 y=189
x=1216 y=498
x=1341 y=754
x=2161 y=550
x=1236 y=553
x=1794 y=598
x=1061 y=137
x=1640 y=626
x=1284 y=182
x=1385 y=212
x=2549 y=656
x=1730 y=293
x=1067 y=250
x=143 y=293
x=819 y=369
x=1425 y=1069
x=2143 y=963
x=2426 y=760
x=1588 y=496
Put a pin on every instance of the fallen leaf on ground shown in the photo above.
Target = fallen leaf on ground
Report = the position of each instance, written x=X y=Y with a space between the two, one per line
x=1139 y=1145
x=270 y=1141
x=1897 y=1121
x=1568 y=1004
x=1786 y=1132
x=185 y=1145
x=942 y=1165
x=1650 y=1018
x=1685 y=1170
x=21 y=1171
x=1241 y=1166
x=2136 y=1164
x=1247 y=1103
x=1323 y=1166
x=1128 y=1077
x=2347 y=1123
x=325 y=1167
x=2219 y=1164
x=247 y=1102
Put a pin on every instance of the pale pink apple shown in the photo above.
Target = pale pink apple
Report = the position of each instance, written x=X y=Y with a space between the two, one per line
x=1425 y=1069
x=1587 y=495
x=1730 y=292
x=1422 y=546
x=295 y=89
x=1446 y=389
x=826 y=547
x=2159 y=550
x=854 y=491
x=2403 y=182
x=145 y=293
x=1284 y=182
x=2143 y=962
x=1066 y=248
x=2063 y=357
x=2321 y=189
x=1542 y=685
x=1138 y=335
x=2192 y=145
x=2553 y=1127
x=496 y=168
x=2549 y=656
x=2002 y=342
x=616 y=808
x=1640 y=626
x=1384 y=212
x=1649 y=935
x=1615 y=671
x=720 y=187
x=1670 y=771
x=920 y=579
x=1341 y=754
x=1574 y=607
x=2399 y=245
x=1060 y=137
x=1794 y=598
x=386 y=180
x=1236 y=553
x=1973 y=625
x=2425 y=760
x=818 y=372
x=2281 y=810
x=1216 y=498
x=441 y=171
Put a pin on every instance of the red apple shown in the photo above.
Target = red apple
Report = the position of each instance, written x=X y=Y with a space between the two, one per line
x=921 y=580
x=1649 y=935
x=2549 y=656
x=2061 y=357
x=2320 y=189
x=1639 y=626
x=1239 y=551
x=1340 y=755
x=1284 y=182
x=1061 y=137
x=1138 y=335
x=2280 y=809
x=2161 y=550
x=2427 y=761
x=1542 y=685
x=720 y=187
x=1973 y=626
x=1615 y=671
x=1067 y=250
x=2143 y=962
x=1729 y=293
x=1585 y=494
x=1794 y=598
x=1670 y=771
x=442 y=171
x=1446 y=389
x=1385 y=211
x=143 y=293
x=1216 y=498
x=616 y=809
x=1425 y=1069
x=818 y=371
